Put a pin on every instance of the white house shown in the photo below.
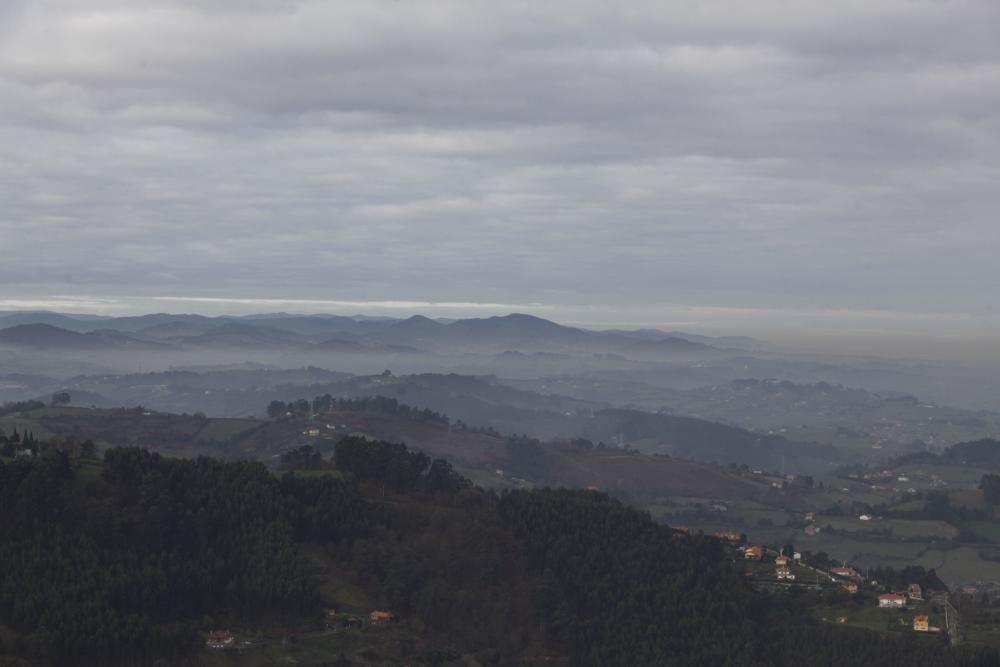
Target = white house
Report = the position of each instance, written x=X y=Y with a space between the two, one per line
x=891 y=601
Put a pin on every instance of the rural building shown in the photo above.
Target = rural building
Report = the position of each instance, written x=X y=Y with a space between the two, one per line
x=781 y=560
x=914 y=592
x=849 y=586
x=381 y=617
x=220 y=639
x=921 y=624
x=785 y=573
x=810 y=516
x=811 y=529
x=848 y=572
x=754 y=553
x=311 y=432
x=729 y=536
x=841 y=619
x=891 y=601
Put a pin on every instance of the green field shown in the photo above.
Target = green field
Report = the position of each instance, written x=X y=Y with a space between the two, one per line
x=986 y=530
x=961 y=565
x=226 y=429
x=905 y=528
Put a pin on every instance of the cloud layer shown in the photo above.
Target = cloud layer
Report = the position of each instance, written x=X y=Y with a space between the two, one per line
x=808 y=156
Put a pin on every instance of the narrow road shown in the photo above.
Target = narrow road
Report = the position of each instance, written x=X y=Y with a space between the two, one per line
x=951 y=621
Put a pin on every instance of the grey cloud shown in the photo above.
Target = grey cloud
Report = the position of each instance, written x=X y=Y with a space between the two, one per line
x=813 y=155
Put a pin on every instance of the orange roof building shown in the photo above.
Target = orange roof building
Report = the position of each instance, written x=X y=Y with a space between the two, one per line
x=379 y=617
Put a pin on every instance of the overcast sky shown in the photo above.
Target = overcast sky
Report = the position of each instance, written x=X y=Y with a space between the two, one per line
x=711 y=164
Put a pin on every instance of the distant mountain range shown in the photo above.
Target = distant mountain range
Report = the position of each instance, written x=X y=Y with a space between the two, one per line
x=516 y=332
x=47 y=336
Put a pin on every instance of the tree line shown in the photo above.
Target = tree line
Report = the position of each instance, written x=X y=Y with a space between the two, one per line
x=326 y=404
x=123 y=567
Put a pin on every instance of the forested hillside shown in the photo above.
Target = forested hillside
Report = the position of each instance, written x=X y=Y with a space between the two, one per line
x=134 y=560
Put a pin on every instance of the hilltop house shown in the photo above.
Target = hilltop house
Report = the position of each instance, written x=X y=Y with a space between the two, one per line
x=891 y=601
x=785 y=573
x=921 y=624
x=914 y=592
x=220 y=639
x=781 y=560
x=847 y=572
x=849 y=586
x=754 y=553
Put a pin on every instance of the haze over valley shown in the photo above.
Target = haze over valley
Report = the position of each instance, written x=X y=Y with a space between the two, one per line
x=454 y=333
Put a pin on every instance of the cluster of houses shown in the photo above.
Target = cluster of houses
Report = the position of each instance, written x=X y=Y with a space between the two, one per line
x=847 y=578
x=782 y=563
x=224 y=639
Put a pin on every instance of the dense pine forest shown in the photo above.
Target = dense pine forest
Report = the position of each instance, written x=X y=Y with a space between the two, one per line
x=131 y=561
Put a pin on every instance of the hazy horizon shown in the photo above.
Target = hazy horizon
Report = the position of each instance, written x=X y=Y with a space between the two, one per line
x=797 y=337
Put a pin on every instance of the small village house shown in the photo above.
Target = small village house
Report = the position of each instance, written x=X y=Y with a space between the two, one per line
x=914 y=592
x=891 y=601
x=785 y=573
x=378 y=617
x=847 y=572
x=220 y=639
x=849 y=586
x=754 y=553
x=921 y=624
x=781 y=560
